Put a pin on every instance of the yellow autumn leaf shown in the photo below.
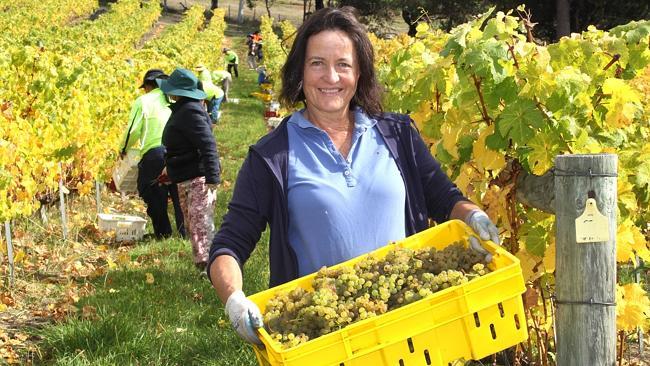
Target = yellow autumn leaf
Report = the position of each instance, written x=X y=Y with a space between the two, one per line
x=111 y=264
x=450 y=135
x=123 y=259
x=632 y=307
x=19 y=256
x=542 y=156
x=626 y=195
x=495 y=204
x=487 y=159
x=630 y=242
x=3 y=307
x=465 y=177
x=549 y=255
x=150 y=280
x=623 y=105
x=528 y=263
x=422 y=115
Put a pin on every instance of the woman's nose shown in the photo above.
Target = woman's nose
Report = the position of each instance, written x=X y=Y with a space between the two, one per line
x=331 y=75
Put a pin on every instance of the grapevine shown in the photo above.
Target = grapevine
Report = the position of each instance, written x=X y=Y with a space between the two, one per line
x=52 y=110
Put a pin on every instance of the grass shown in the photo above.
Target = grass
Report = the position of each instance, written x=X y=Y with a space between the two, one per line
x=176 y=318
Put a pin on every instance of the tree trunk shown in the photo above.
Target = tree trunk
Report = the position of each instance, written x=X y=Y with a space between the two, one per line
x=562 y=18
x=319 y=4
x=240 y=12
x=537 y=191
x=304 y=10
x=268 y=8
x=214 y=4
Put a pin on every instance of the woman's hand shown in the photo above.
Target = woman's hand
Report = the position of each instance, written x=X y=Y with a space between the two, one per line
x=483 y=226
x=163 y=178
x=486 y=230
x=245 y=317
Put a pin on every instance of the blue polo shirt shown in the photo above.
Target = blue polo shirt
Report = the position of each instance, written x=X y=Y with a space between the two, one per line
x=338 y=208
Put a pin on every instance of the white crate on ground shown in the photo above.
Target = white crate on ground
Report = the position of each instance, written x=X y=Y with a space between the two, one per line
x=126 y=227
x=125 y=173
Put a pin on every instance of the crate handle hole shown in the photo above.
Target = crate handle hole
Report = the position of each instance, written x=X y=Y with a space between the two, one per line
x=517 y=321
x=410 y=343
x=401 y=362
x=503 y=314
x=426 y=357
x=493 y=331
x=476 y=320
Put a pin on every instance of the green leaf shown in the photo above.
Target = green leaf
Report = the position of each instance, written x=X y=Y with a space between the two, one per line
x=442 y=155
x=65 y=152
x=496 y=142
x=519 y=121
x=536 y=240
x=465 y=146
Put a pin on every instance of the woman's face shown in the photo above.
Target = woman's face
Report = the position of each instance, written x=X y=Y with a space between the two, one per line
x=331 y=72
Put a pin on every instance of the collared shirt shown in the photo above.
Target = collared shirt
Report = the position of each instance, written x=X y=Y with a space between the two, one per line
x=341 y=208
x=147 y=119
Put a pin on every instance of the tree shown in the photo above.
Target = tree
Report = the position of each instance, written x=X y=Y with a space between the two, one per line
x=319 y=4
x=563 y=19
x=240 y=12
x=214 y=4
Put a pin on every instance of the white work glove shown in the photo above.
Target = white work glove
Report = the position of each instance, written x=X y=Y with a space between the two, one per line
x=486 y=230
x=244 y=316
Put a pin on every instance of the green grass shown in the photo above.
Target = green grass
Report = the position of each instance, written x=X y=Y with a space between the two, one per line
x=178 y=319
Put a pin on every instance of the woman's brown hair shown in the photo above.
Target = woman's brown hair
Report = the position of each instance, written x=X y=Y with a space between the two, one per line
x=368 y=93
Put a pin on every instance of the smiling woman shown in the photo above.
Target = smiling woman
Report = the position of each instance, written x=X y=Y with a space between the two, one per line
x=330 y=77
x=335 y=180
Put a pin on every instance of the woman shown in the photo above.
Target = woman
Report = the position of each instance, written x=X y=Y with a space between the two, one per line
x=191 y=160
x=335 y=180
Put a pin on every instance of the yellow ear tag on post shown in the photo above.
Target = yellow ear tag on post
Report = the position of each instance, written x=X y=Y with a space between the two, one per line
x=592 y=226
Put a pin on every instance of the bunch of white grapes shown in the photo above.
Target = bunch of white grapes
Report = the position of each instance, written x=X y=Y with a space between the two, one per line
x=371 y=287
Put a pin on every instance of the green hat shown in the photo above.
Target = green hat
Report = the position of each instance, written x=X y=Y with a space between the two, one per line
x=181 y=82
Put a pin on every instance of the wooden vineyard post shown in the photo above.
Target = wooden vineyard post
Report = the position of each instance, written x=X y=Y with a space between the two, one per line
x=10 y=252
x=586 y=259
x=98 y=196
x=62 y=189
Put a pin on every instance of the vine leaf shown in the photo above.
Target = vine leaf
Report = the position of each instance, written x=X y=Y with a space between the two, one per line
x=519 y=121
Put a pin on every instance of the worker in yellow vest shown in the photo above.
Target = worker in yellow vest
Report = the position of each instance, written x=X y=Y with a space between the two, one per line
x=232 y=60
x=214 y=93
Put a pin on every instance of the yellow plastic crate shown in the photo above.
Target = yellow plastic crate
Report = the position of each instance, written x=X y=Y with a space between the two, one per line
x=469 y=321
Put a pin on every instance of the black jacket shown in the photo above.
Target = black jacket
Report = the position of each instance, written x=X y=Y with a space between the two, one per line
x=191 y=147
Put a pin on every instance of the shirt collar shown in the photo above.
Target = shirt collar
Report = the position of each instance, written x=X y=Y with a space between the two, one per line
x=362 y=121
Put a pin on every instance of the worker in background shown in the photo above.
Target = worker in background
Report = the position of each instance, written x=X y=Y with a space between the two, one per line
x=232 y=61
x=149 y=114
x=214 y=94
x=223 y=78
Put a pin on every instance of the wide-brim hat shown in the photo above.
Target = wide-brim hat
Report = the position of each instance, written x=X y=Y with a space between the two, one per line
x=152 y=75
x=183 y=83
